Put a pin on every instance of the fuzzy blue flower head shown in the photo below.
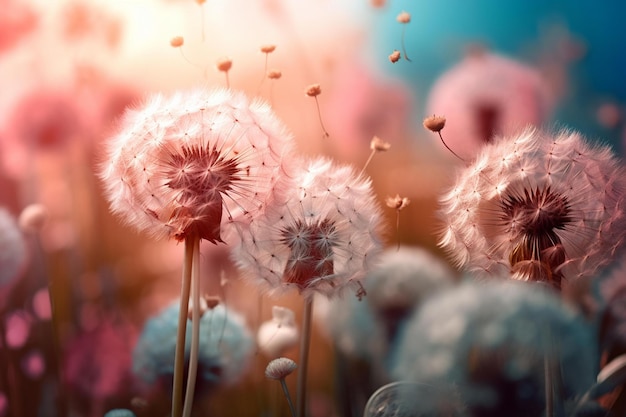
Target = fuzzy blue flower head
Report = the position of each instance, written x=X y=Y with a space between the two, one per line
x=491 y=343
x=226 y=346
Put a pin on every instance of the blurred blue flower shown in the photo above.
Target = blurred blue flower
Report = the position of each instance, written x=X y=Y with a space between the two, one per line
x=225 y=347
x=490 y=341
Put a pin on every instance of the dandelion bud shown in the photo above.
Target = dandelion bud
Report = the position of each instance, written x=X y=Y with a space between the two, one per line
x=394 y=56
x=268 y=49
x=200 y=2
x=274 y=74
x=313 y=90
x=403 y=17
x=378 y=3
x=33 y=217
x=435 y=123
x=280 y=368
x=224 y=64
x=177 y=41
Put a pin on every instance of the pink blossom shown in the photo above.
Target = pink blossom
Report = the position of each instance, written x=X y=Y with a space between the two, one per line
x=16 y=20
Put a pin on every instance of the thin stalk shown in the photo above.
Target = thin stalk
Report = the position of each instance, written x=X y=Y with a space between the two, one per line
x=179 y=360
x=286 y=391
x=195 y=329
x=319 y=115
x=369 y=159
x=448 y=148
x=305 y=344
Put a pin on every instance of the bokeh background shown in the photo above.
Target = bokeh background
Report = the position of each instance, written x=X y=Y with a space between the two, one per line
x=69 y=68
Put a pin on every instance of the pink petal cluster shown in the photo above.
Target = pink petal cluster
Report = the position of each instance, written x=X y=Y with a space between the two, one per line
x=539 y=205
x=192 y=161
x=323 y=238
x=486 y=95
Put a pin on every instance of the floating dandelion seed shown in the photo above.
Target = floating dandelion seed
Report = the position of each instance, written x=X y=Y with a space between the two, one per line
x=224 y=65
x=394 y=56
x=543 y=207
x=376 y=145
x=315 y=90
x=404 y=18
x=177 y=41
x=398 y=203
x=436 y=124
x=267 y=50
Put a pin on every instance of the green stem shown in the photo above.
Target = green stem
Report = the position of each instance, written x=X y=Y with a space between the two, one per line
x=304 y=356
x=179 y=360
x=195 y=329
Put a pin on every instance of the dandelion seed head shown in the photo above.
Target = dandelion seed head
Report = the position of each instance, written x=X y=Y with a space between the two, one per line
x=322 y=238
x=193 y=162
x=542 y=206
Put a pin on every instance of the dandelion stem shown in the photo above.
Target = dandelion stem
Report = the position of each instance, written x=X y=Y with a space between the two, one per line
x=369 y=159
x=552 y=373
x=448 y=148
x=304 y=356
x=319 y=115
x=264 y=75
x=227 y=80
x=195 y=328
x=286 y=391
x=179 y=359
x=398 y=228
x=403 y=47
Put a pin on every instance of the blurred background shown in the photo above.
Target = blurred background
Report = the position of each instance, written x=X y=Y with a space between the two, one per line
x=69 y=68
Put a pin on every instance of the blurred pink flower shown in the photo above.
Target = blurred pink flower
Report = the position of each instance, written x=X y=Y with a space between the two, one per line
x=16 y=20
x=362 y=105
x=43 y=118
x=323 y=238
x=98 y=361
x=486 y=95
x=194 y=161
x=33 y=364
x=541 y=206
x=17 y=325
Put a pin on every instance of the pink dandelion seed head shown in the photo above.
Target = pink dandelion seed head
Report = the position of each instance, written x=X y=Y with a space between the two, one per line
x=541 y=206
x=194 y=161
x=486 y=95
x=323 y=238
